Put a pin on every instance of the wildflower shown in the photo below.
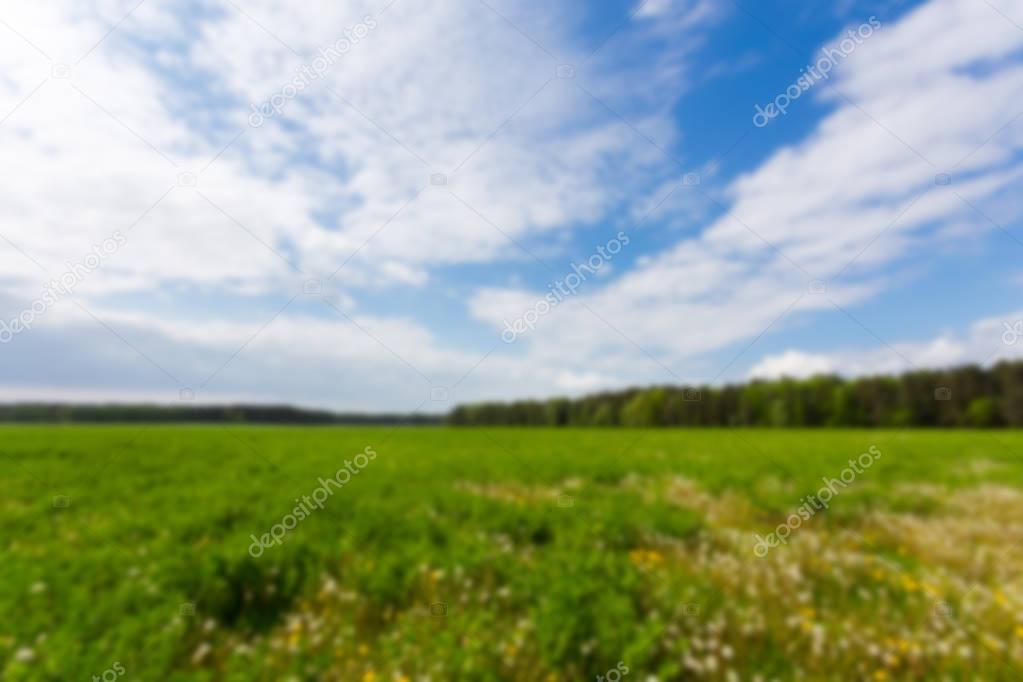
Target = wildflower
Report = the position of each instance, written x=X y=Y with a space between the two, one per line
x=201 y=652
x=646 y=558
x=693 y=664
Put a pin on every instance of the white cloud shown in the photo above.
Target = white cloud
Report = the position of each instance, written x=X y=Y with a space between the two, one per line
x=795 y=364
x=428 y=89
x=679 y=12
x=985 y=342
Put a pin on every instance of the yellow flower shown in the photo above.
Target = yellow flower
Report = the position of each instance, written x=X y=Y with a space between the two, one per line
x=1019 y=631
x=369 y=676
x=880 y=675
x=645 y=558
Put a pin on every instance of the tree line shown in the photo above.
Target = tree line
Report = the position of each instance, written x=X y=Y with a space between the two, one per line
x=246 y=414
x=968 y=396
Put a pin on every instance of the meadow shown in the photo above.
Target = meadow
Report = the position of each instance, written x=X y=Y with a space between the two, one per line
x=136 y=553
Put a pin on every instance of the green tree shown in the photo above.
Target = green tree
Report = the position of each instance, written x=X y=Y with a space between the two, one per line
x=645 y=409
x=982 y=412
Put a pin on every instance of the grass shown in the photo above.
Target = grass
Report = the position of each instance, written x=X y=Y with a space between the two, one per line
x=505 y=554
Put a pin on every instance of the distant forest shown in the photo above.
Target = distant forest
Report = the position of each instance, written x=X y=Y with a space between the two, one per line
x=248 y=414
x=968 y=396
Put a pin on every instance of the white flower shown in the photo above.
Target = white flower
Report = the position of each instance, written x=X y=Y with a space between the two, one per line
x=201 y=653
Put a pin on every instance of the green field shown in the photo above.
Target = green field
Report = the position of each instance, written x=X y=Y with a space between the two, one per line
x=501 y=554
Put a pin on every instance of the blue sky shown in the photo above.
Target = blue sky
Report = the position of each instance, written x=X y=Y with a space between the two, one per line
x=347 y=205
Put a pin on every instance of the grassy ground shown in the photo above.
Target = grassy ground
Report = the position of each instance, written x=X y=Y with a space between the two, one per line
x=496 y=554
